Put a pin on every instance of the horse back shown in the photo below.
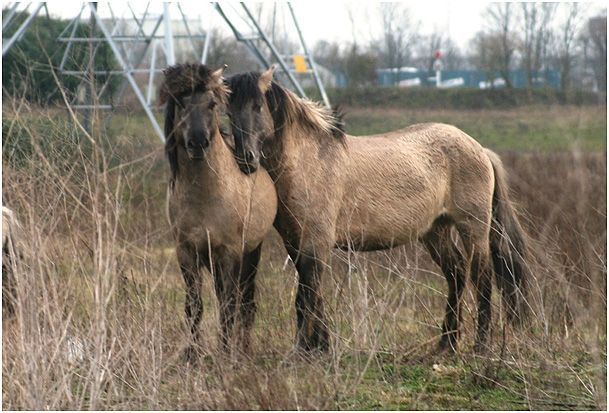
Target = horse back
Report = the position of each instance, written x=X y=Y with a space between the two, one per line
x=401 y=181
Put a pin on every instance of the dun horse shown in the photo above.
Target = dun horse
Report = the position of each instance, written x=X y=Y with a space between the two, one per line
x=376 y=192
x=219 y=216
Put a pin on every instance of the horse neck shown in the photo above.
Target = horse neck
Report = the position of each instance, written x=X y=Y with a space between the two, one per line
x=291 y=144
x=210 y=173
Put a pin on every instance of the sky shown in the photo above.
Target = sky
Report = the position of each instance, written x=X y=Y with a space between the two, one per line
x=330 y=20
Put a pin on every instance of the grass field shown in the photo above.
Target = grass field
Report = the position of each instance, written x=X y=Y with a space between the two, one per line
x=99 y=322
x=536 y=128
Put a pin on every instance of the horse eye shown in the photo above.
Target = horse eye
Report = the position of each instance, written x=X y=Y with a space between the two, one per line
x=212 y=104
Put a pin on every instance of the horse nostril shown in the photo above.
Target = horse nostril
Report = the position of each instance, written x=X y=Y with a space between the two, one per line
x=190 y=144
x=249 y=156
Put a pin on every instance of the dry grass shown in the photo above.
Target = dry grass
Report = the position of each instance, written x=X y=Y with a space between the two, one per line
x=99 y=321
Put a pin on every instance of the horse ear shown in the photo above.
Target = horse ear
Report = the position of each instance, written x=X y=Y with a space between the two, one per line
x=218 y=85
x=266 y=78
x=171 y=143
x=217 y=75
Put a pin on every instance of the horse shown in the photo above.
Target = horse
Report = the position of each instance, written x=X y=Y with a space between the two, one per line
x=377 y=192
x=219 y=216
x=12 y=254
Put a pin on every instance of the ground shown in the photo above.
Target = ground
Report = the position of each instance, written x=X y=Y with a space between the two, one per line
x=100 y=313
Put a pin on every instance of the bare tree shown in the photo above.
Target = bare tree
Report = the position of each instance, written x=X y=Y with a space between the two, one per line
x=399 y=35
x=487 y=54
x=436 y=41
x=425 y=49
x=225 y=49
x=328 y=54
x=357 y=63
x=501 y=18
x=566 y=42
x=597 y=37
x=452 y=58
x=536 y=18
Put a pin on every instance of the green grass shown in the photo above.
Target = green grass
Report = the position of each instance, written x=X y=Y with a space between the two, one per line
x=461 y=385
x=550 y=128
x=533 y=128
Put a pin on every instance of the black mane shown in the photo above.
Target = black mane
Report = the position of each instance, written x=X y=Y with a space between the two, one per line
x=338 y=114
x=182 y=80
x=244 y=88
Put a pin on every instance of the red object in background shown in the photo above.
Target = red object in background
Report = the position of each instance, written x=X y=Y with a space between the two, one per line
x=437 y=54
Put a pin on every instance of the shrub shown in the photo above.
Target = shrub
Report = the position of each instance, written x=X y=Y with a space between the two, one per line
x=424 y=98
x=27 y=67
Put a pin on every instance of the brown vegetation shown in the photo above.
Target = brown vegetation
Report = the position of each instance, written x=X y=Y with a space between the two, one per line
x=99 y=314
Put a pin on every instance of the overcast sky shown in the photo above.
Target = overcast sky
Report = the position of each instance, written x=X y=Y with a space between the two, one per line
x=330 y=20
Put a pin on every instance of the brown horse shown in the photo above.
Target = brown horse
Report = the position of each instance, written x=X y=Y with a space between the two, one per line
x=376 y=192
x=219 y=216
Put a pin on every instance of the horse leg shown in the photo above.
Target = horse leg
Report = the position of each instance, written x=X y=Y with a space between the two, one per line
x=447 y=256
x=476 y=242
x=247 y=288
x=481 y=277
x=193 y=306
x=311 y=328
x=9 y=290
x=225 y=271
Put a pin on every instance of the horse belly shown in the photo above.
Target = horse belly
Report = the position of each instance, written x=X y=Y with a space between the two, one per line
x=395 y=208
x=373 y=227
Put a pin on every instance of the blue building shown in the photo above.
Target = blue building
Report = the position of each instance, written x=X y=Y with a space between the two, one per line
x=410 y=77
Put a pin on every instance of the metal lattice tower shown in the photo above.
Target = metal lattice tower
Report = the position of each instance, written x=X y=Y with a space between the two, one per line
x=142 y=43
x=252 y=35
x=13 y=11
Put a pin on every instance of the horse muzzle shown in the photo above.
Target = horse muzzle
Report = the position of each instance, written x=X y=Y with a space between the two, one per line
x=195 y=154
x=248 y=167
x=195 y=151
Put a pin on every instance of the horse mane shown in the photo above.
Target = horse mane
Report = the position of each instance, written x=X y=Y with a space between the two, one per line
x=187 y=79
x=287 y=108
x=182 y=80
x=338 y=113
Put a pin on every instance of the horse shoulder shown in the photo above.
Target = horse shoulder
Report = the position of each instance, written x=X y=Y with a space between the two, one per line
x=258 y=206
x=310 y=182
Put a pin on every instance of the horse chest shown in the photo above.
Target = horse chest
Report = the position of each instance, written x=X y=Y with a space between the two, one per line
x=205 y=221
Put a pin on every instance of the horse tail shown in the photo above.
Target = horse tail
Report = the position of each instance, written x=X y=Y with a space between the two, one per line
x=508 y=245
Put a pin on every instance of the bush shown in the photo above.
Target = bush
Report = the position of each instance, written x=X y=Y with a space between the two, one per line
x=27 y=67
x=423 y=98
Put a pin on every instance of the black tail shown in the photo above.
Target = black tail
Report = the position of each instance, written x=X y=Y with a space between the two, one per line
x=508 y=247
